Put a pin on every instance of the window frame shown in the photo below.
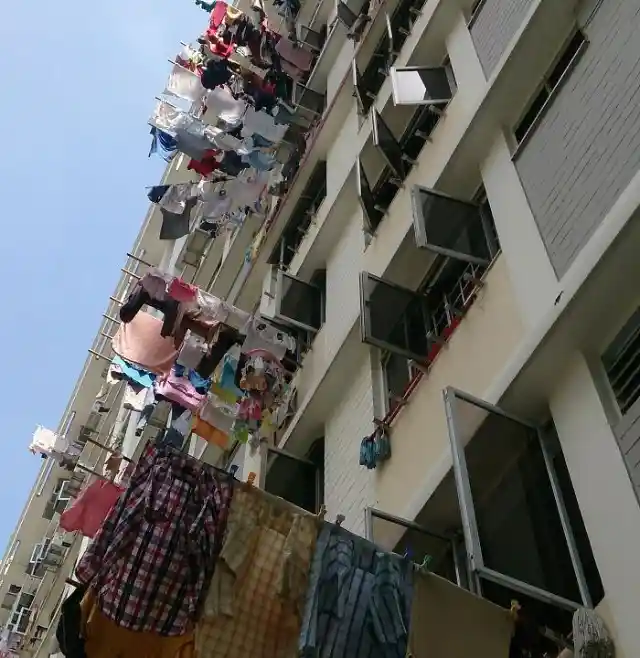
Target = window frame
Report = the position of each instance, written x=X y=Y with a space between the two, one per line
x=551 y=91
x=476 y=565
x=412 y=372
x=436 y=102
x=382 y=133
x=278 y=297
x=365 y=317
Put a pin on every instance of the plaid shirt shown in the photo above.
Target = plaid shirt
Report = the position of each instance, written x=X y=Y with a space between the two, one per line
x=152 y=561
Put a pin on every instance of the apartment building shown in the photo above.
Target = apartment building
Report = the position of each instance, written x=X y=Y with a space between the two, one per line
x=456 y=256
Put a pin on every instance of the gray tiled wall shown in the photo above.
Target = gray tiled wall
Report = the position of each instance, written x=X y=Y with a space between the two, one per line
x=494 y=26
x=586 y=148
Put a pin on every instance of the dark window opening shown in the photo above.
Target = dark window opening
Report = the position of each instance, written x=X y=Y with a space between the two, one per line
x=621 y=362
x=301 y=218
x=301 y=304
x=410 y=145
x=298 y=480
x=375 y=73
x=416 y=324
x=522 y=553
x=550 y=85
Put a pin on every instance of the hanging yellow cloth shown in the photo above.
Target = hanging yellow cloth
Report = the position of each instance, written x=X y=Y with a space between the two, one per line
x=105 y=639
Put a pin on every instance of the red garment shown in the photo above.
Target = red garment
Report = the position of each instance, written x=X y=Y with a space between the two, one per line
x=218 y=15
x=206 y=166
x=91 y=508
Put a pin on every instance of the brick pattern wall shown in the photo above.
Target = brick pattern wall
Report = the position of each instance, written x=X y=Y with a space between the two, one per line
x=586 y=148
x=349 y=488
x=494 y=26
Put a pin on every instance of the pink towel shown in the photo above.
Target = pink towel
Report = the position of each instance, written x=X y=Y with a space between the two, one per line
x=139 y=342
x=91 y=508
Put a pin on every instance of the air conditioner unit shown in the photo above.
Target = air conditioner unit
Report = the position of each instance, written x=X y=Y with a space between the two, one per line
x=268 y=301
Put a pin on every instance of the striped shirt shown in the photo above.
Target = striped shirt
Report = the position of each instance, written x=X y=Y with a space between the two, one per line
x=358 y=602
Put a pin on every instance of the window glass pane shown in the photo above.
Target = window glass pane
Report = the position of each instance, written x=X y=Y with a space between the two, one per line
x=397 y=318
x=373 y=216
x=448 y=223
x=531 y=115
x=385 y=140
x=397 y=375
x=417 y=545
x=519 y=525
x=301 y=302
x=420 y=85
x=292 y=480
x=566 y=59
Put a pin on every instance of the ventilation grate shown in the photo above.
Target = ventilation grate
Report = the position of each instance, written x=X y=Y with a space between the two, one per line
x=622 y=364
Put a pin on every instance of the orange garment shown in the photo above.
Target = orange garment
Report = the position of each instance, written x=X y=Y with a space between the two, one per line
x=210 y=433
x=105 y=639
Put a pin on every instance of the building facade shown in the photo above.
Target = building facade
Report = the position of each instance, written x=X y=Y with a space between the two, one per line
x=456 y=256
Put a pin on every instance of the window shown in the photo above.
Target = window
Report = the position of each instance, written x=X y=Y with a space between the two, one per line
x=298 y=303
x=450 y=226
x=621 y=362
x=308 y=99
x=298 y=480
x=301 y=218
x=311 y=38
x=397 y=372
x=58 y=501
x=420 y=85
x=417 y=542
x=550 y=86
x=11 y=597
x=523 y=531
x=415 y=324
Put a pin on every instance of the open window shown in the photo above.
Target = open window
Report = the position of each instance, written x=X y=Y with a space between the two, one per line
x=10 y=597
x=395 y=319
x=308 y=99
x=442 y=553
x=300 y=480
x=420 y=85
x=522 y=527
x=385 y=141
x=312 y=38
x=298 y=303
x=345 y=15
x=450 y=227
x=372 y=214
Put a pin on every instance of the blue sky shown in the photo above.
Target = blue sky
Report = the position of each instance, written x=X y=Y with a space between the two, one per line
x=79 y=80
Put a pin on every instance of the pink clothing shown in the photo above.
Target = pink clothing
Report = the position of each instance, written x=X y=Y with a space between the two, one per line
x=139 y=342
x=90 y=510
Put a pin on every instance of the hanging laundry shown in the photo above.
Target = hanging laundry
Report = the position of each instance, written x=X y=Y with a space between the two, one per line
x=47 y=442
x=192 y=140
x=375 y=449
x=222 y=105
x=207 y=6
x=215 y=74
x=358 y=594
x=206 y=165
x=156 y=193
x=260 y=580
x=69 y=631
x=261 y=335
x=177 y=225
x=163 y=144
x=447 y=620
x=145 y=574
x=140 y=342
x=184 y=83
x=210 y=433
x=177 y=386
x=166 y=117
x=193 y=349
x=133 y=398
x=261 y=123
x=133 y=373
x=105 y=639
x=88 y=512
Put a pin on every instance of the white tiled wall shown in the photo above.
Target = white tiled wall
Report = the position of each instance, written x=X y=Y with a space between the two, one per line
x=348 y=486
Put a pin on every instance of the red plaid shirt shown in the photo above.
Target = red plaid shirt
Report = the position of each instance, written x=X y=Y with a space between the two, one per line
x=152 y=561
